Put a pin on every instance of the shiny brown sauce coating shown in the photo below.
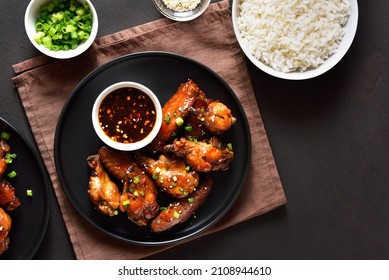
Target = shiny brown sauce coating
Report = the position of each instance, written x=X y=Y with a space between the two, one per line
x=127 y=115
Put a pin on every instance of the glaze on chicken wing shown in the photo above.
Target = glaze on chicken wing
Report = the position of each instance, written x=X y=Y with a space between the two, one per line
x=209 y=116
x=202 y=156
x=176 y=107
x=8 y=199
x=181 y=210
x=4 y=150
x=170 y=174
x=5 y=227
x=139 y=196
x=102 y=191
x=195 y=118
x=218 y=118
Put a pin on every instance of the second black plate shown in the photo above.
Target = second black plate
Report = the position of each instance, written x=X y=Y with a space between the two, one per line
x=30 y=219
x=162 y=72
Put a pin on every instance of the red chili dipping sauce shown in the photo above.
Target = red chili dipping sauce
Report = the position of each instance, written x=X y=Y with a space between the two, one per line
x=127 y=115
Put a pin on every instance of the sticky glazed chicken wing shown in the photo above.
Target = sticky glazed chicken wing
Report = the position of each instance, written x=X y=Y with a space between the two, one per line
x=102 y=191
x=8 y=199
x=202 y=156
x=138 y=199
x=169 y=173
x=4 y=150
x=177 y=107
x=195 y=118
x=118 y=163
x=209 y=117
x=139 y=196
x=182 y=209
x=5 y=227
x=218 y=117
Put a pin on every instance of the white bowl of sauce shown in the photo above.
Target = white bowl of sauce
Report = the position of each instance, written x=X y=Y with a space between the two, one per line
x=127 y=116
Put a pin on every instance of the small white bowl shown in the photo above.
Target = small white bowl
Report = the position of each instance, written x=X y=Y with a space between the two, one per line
x=184 y=15
x=126 y=146
x=32 y=12
x=350 y=28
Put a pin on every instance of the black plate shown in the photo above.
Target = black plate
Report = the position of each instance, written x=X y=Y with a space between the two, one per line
x=29 y=220
x=162 y=72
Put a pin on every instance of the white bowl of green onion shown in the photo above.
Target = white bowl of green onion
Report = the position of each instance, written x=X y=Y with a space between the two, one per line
x=61 y=28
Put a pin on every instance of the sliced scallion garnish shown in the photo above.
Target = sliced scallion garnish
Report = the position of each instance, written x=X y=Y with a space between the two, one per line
x=5 y=135
x=29 y=193
x=63 y=24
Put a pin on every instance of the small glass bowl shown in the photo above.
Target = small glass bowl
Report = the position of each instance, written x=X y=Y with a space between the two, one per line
x=182 y=16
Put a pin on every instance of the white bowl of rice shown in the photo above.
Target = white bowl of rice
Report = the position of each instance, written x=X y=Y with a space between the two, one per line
x=295 y=40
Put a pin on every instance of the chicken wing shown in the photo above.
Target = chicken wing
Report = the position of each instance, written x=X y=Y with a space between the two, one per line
x=119 y=164
x=176 y=107
x=181 y=210
x=102 y=191
x=139 y=196
x=4 y=150
x=8 y=199
x=170 y=174
x=218 y=117
x=202 y=156
x=195 y=119
x=208 y=115
x=5 y=227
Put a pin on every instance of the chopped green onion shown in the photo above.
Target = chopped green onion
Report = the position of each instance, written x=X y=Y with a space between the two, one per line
x=187 y=168
x=63 y=24
x=136 y=180
x=29 y=193
x=188 y=128
x=80 y=11
x=5 y=135
x=166 y=119
x=125 y=203
x=140 y=193
x=229 y=146
x=9 y=157
x=192 y=138
x=12 y=174
x=179 y=121
x=176 y=215
x=191 y=199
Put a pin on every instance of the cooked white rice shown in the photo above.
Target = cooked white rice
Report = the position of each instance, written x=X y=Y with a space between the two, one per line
x=292 y=35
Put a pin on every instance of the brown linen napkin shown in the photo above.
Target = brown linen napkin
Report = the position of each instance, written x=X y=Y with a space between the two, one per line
x=44 y=84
